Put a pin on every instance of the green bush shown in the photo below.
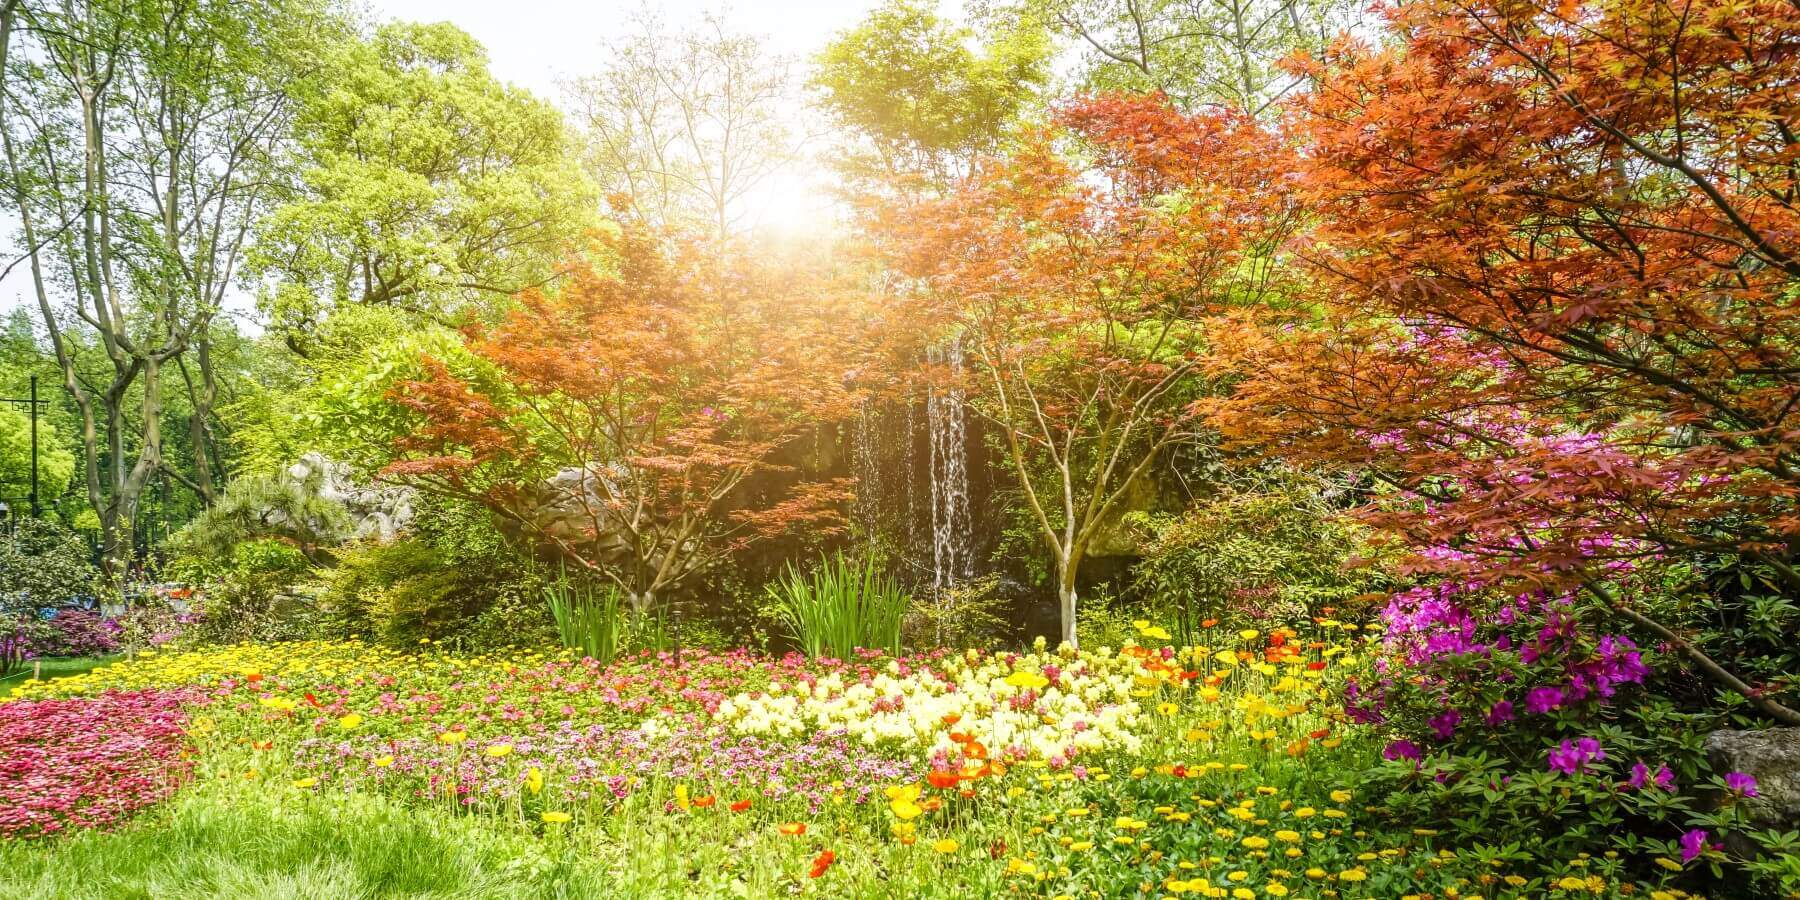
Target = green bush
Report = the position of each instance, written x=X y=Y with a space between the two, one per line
x=839 y=606
x=1267 y=554
x=43 y=564
x=258 y=594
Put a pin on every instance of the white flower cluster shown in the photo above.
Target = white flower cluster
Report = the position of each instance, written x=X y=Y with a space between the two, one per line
x=1015 y=711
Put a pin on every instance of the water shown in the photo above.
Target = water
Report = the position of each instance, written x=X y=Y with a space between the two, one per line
x=952 y=521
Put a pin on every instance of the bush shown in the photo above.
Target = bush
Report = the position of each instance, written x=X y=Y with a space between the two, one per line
x=43 y=564
x=1507 y=712
x=841 y=605
x=257 y=595
x=966 y=616
x=1269 y=554
x=78 y=632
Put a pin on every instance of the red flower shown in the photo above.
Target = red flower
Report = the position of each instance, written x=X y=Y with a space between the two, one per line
x=821 y=862
x=793 y=828
x=940 y=779
x=705 y=802
x=741 y=805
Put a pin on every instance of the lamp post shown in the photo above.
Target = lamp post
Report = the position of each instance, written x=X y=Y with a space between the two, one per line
x=34 y=404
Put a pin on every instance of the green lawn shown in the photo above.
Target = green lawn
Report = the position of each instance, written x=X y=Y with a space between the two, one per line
x=48 y=669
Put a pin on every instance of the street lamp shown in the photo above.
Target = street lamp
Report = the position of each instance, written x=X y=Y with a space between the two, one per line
x=33 y=403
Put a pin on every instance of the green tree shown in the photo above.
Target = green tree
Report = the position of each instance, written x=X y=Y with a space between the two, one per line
x=924 y=94
x=141 y=139
x=1197 y=51
x=428 y=185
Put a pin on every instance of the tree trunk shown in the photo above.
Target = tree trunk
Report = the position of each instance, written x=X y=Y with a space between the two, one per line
x=1065 y=593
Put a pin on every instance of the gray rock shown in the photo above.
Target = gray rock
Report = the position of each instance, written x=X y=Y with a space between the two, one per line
x=1772 y=757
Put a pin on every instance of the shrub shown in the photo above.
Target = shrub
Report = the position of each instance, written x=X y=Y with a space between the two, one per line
x=257 y=595
x=595 y=621
x=43 y=564
x=1266 y=554
x=78 y=632
x=839 y=606
x=967 y=615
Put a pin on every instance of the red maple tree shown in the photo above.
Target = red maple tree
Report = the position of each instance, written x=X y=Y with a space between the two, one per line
x=1560 y=260
x=636 y=419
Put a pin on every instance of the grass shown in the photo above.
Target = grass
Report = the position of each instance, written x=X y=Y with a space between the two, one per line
x=58 y=667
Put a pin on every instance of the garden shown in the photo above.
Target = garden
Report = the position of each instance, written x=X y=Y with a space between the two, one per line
x=1280 y=448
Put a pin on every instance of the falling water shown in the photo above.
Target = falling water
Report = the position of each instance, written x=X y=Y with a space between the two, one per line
x=952 y=551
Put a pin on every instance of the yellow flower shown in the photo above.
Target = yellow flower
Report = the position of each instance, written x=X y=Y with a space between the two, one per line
x=1249 y=634
x=499 y=750
x=1288 y=836
x=350 y=722
x=1315 y=872
x=1080 y=846
x=945 y=845
x=305 y=782
x=1356 y=874
x=384 y=762
x=534 y=779
x=453 y=737
x=1024 y=679
x=556 y=818
x=1668 y=863
x=681 y=797
x=1256 y=842
x=1340 y=796
x=1226 y=657
x=1243 y=893
x=1275 y=890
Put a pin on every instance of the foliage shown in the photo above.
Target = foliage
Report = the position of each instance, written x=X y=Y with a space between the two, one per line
x=596 y=622
x=968 y=614
x=79 y=632
x=840 y=605
x=276 y=508
x=909 y=83
x=1199 y=52
x=43 y=564
x=631 y=413
x=1545 y=402
x=56 y=463
x=685 y=128
x=1079 y=285
x=427 y=184
x=1257 y=555
x=256 y=594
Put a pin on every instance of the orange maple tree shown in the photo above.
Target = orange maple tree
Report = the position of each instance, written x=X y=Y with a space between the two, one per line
x=1078 y=274
x=1559 y=252
x=640 y=419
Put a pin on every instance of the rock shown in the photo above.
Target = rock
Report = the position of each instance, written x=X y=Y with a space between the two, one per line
x=380 y=512
x=1772 y=757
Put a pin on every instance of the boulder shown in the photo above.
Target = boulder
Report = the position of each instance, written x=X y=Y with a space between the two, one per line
x=1772 y=757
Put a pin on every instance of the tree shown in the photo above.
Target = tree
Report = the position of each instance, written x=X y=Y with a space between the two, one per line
x=1080 y=288
x=634 y=420
x=927 y=102
x=427 y=185
x=141 y=139
x=1199 y=52
x=684 y=128
x=1563 y=277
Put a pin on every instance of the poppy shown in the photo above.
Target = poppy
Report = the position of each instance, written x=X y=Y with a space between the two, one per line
x=941 y=779
x=793 y=828
x=821 y=862
x=740 y=805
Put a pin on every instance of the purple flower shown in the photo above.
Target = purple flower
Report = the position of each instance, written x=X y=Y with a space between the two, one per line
x=1543 y=699
x=1500 y=713
x=1741 y=784
x=1665 y=779
x=1573 y=757
x=1444 y=724
x=1693 y=844
x=1397 y=750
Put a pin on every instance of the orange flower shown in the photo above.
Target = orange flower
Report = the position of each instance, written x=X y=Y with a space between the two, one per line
x=705 y=802
x=1317 y=665
x=1208 y=623
x=975 y=750
x=940 y=779
x=793 y=828
x=821 y=862
x=933 y=804
x=958 y=737
x=741 y=805
x=1320 y=734
x=951 y=719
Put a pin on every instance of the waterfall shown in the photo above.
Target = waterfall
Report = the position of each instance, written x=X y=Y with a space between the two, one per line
x=952 y=522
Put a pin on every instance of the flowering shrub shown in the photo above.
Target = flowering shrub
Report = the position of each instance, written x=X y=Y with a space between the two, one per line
x=1503 y=714
x=90 y=762
x=78 y=632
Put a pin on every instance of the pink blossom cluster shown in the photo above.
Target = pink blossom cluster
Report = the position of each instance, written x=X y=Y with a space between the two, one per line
x=89 y=762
